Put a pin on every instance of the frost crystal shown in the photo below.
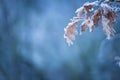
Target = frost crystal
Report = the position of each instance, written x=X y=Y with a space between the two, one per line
x=70 y=32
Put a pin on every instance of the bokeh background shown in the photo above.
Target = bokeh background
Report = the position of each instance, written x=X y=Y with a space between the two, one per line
x=32 y=46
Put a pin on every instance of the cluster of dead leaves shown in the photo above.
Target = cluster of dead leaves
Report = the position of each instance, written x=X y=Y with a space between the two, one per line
x=90 y=18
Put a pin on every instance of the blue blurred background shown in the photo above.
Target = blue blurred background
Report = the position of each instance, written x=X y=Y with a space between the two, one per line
x=32 y=46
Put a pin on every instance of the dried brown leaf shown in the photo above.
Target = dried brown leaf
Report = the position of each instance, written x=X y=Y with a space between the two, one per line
x=96 y=16
x=87 y=23
x=108 y=30
x=88 y=9
x=108 y=19
x=70 y=32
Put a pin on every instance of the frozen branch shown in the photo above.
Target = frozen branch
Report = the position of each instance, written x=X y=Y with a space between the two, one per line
x=104 y=13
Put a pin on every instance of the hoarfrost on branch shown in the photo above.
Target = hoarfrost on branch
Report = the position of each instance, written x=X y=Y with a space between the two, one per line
x=104 y=14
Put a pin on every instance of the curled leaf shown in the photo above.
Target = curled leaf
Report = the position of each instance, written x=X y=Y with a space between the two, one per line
x=87 y=23
x=109 y=31
x=70 y=32
x=96 y=16
x=108 y=19
x=89 y=7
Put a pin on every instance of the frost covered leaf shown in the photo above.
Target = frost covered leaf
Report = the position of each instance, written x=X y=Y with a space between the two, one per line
x=87 y=23
x=89 y=7
x=108 y=19
x=80 y=12
x=70 y=32
x=108 y=11
x=109 y=31
x=86 y=8
x=96 y=16
x=84 y=26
